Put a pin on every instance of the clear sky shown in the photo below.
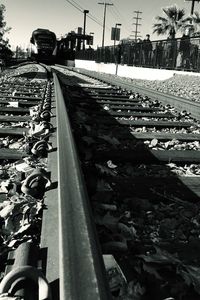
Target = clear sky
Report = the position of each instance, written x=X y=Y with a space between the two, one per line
x=60 y=16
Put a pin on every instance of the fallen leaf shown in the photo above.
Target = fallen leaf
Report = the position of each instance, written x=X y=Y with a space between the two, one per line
x=23 y=228
x=5 y=212
x=111 y=165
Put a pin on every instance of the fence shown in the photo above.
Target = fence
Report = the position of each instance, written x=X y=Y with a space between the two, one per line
x=182 y=53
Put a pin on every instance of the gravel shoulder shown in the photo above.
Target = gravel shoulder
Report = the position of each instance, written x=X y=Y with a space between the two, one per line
x=186 y=86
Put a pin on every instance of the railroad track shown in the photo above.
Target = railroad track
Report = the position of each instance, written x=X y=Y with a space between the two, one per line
x=35 y=263
x=91 y=168
x=140 y=160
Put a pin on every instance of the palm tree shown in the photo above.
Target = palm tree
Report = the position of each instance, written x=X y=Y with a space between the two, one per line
x=172 y=23
x=194 y=24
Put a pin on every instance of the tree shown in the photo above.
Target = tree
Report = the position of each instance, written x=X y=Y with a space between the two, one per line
x=5 y=51
x=194 y=24
x=173 y=22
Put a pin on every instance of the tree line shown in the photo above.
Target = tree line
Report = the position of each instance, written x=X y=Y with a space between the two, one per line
x=5 y=51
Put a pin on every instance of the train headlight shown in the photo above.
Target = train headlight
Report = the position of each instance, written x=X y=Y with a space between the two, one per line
x=34 y=49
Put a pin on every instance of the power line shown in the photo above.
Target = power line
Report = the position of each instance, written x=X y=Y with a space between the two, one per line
x=116 y=18
x=77 y=4
x=115 y=13
x=106 y=26
x=79 y=8
x=90 y=16
x=118 y=12
x=95 y=19
x=74 y=5
x=119 y=15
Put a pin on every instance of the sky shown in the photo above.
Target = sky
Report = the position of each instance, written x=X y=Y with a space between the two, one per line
x=60 y=16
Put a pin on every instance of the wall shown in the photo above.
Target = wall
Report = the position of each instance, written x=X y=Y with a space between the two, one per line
x=130 y=72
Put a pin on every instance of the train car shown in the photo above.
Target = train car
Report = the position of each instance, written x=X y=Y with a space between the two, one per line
x=43 y=46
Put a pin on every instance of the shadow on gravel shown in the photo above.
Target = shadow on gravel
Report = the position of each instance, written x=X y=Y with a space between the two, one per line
x=156 y=203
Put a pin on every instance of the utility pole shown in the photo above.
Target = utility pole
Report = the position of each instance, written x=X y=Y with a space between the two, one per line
x=104 y=19
x=192 y=7
x=84 y=25
x=137 y=18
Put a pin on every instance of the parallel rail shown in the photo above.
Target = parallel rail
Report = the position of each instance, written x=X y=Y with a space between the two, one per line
x=180 y=103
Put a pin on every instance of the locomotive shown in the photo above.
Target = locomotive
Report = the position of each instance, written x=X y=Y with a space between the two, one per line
x=43 y=46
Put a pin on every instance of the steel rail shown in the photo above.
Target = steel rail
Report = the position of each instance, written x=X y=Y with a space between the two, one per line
x=82 y=272
x=178 y=102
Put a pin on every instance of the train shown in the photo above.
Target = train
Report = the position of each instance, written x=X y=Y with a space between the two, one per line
x=47 y=49
x=43 y=46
